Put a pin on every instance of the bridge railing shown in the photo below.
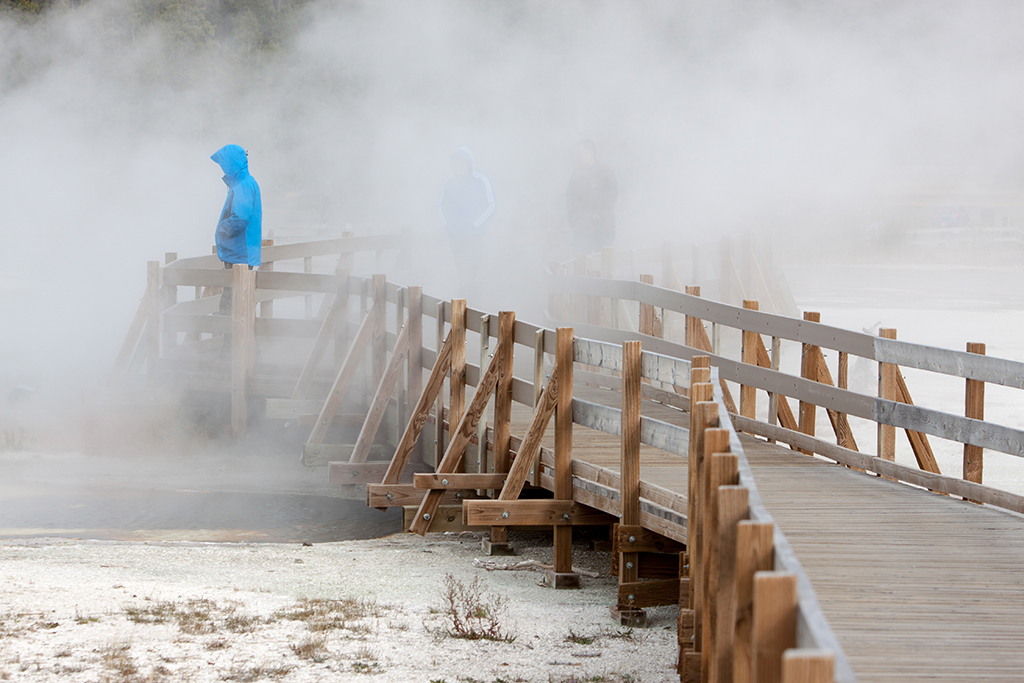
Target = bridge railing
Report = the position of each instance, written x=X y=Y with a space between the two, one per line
x=757 y=368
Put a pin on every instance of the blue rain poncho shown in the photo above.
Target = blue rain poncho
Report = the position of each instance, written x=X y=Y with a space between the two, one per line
x=240 y=229
x=467 y=202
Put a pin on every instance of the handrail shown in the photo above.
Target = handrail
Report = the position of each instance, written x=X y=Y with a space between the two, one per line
x=988 y=369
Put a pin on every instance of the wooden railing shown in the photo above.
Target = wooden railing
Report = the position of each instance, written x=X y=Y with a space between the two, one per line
x=756 y=369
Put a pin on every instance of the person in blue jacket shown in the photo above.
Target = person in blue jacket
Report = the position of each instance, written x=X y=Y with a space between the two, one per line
x=239 y=232
x=467 y=203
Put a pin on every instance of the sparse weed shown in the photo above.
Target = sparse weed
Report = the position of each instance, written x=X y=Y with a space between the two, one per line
x=194 y=616
x=219 y=644
x=247 y=674
x=242 y=623
x=63 y=653
x=313 y=648
x=119 y=663
x=366 y=667
x=473 y=613
x=579 y=639
x=323 y=614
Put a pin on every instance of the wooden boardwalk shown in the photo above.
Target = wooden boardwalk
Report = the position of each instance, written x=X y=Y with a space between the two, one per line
x=916 y=586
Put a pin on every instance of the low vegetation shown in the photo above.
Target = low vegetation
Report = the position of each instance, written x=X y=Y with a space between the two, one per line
x=472 y=612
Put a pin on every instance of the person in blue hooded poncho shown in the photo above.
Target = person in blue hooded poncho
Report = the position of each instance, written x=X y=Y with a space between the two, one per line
x=467 y=203
x=239 y=233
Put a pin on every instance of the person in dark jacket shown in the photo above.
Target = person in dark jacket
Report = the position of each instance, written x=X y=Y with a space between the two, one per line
x=590 y=201
x=239 y=233
x=467 y=203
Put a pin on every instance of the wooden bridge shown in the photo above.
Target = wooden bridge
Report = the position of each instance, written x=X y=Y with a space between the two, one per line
x=792 y=557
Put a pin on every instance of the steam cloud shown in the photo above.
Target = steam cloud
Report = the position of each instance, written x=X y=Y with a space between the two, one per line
x=711 y=113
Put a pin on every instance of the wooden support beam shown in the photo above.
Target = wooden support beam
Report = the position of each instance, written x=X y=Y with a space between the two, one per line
x=775 y=616
x=401 y=495
x=640 y=594
x=784 y=412
x=696 y=334
x=152 y=317
x=503 y=411
x=131 y=340
x=414 y=381
x=439 y=409
x=635 y=538
x=420 y=414
x=754 y=553
x=649 y=322
x=337 y=314
x=169 y=297
x=459 y=440
x=457 y=379
x=243 y=343
x=974 y=407
x=523 y=464
x=919 y=443
x=481 y=428
x=751 y=341
x=267 y=307
x=432 y=480
x=562 y=572
x=716 y=440
x=342 y=473
x=887 y=390
x=557 y=513
x=379 y=346
x=704 y=416
x=808 y=370
x=839 y=421
x=343 y=380
x=629 y=467
x=381 y=397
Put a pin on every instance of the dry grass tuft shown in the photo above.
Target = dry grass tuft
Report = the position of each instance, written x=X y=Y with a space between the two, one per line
x=472 y=612
x=324 y=614
x=247 y=674
x=313 y=648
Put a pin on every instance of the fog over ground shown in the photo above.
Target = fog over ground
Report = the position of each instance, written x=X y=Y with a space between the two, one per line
x=714 y=116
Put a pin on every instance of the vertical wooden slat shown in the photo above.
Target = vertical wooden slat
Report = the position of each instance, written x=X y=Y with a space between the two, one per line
x=481 y=428
x=755 y=552
x=733 y=507
x=341 y=300
x=629 y=463
x=414 y=380
x=723 y=471
x=439 y=444
x=716 y=440
x=774 y=632
x=808 y=370
x=242 y=314
x=974 y=407
x=887 y=390
x=307 y=267
x=563 y=447
x=691 y=334
x=805 y=665
x=267 y=307
x=152 y=317
x=748 y=354
x=457 y=379
x=503 y=405
x=170 y=297
x=773 y=398
x=379 y=346
x=648 y=319
x=538 y=382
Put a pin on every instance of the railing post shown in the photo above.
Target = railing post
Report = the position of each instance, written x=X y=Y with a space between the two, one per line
x=439 y=445
x=152 y=317
x=415 y=367
x=723 y=472
x=243 y=312
x=629 y=477
x=691 y=334
x=481 y=427
x=775 y=610
x=974 y=407
x=341 y=328
x=733 y=508
x=457 y=379
x=716 y=441
x=648 y=318
x=748 y=395
x=379 y=346
x=773 y=398
x=497 y=542
x=561 y=576
x=808 y=370
x=755 y=552
x=267 y=307
x=804 y=665
x=170 y=297
x=538 y=381
x=887 y=390
x=307 y=267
